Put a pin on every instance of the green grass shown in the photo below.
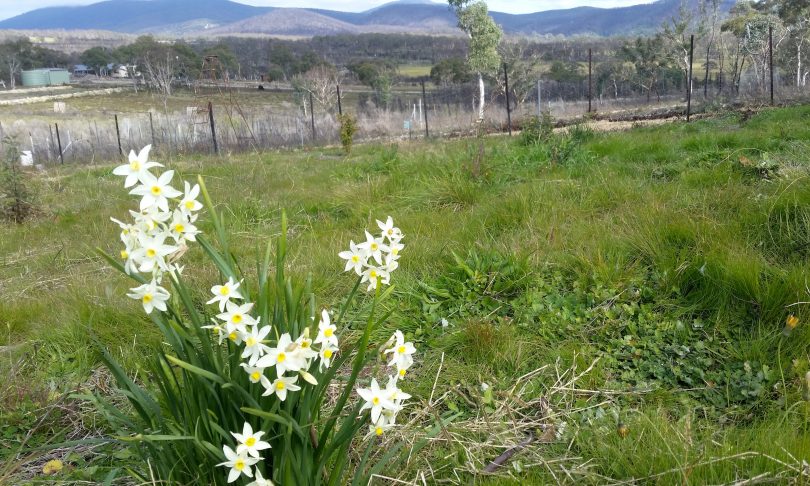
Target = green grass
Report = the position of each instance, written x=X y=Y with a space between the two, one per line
x=666 y=257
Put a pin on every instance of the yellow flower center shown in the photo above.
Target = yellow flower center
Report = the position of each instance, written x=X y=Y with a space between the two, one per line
x=355 y=259
x=328 y=332
x=402 y=372
x=250 y=442
x=255 y=376
x=224 y=290
x=280 y=385
x=375 y=400
x=124 y=254
x=135 y=165
x=281 y=357
x=305 y=344
x=179 y=228
x=327 y=353
x=232 y=336
x=189 y=204
x=372 y=274
x=792 y=321
x=374 y=247
x=239 y=465
x=251 y=341
x=401 y=350
x=151 y=253
x=390 y=231
x=378 y=430
x=395 y=252
x=147 y=298
x=156 y=190
x=237 y=318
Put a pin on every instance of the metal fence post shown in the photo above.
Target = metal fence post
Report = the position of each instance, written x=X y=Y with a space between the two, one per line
x=508 y=108
x=117 y=135
x=312 y=115
x=689 y=80
x=340 y=104
x=152 y=129
x=590 y=82
x=770 y=57
x=424 y=103
x=59 y=143
x=213 y=127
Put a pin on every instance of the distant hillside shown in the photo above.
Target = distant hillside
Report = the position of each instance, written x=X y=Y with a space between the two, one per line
x=224 y=17
x=133 y=15
x=289 y=21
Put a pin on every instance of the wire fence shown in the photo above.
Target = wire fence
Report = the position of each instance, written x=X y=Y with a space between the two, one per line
x=282 y=117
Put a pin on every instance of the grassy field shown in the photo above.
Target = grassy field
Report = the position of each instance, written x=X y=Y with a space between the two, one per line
x=621 y=295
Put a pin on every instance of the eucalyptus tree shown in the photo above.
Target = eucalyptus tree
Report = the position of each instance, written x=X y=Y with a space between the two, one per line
x=484 y=36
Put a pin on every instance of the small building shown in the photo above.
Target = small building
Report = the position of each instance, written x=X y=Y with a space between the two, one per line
x=45 y=77
x=123 y=71
x=82 y=70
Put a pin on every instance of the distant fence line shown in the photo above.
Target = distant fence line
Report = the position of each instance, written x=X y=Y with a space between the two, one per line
x=407 y=111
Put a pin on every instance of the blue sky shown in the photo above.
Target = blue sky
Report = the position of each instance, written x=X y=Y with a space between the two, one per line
x=10 y=8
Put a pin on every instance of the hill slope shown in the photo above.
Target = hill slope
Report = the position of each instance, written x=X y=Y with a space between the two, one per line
x=223 y=17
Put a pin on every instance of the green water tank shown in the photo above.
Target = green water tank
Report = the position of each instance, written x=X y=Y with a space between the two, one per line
x=45 y=77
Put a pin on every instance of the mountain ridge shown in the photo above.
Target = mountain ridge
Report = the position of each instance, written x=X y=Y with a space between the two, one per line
x=225 y=17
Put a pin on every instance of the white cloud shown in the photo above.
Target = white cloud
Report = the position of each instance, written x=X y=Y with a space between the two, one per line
x=10 y=8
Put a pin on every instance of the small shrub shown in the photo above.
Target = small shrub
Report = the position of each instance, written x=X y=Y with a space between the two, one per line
x=15 y=197
x=537 y=129
x=348 y=128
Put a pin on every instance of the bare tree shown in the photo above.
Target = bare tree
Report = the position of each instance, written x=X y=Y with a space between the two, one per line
x=322 y=81
x=13 y=63
x=160 y=72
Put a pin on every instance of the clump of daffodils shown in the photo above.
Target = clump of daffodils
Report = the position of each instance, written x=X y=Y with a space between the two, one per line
x=160 y=230
x=386 y=403
x=271 y=358
x=376 y=258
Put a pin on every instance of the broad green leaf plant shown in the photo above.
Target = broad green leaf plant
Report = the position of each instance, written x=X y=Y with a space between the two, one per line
x=254 y=385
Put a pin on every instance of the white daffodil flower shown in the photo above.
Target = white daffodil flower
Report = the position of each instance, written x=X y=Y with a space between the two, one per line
x=256 y=375
x=236 y=317
x=326 y=331
x=152 y=252
x=389 y=230
x=239 y=464
x=304 y=347
x=189 y=204
x=401 y=352
x=218 y=329
x=151 y=295
x=326 y=354
x=355 y=257
x=395 y=248
x=250 y=442
x=281 y=386
x=284 y=356
x=236 y=337
x=394 y=393
x=254 y=349
x=377 y=400
x=225 y=292
x=156 y=191
x=391 y=264
x=374 y=247
x=181 y=229
x=380 y=428
x=375 y=275
x=260 y=481
x=137 y=166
